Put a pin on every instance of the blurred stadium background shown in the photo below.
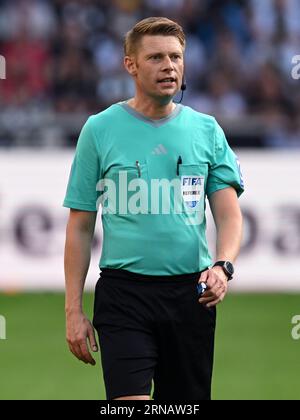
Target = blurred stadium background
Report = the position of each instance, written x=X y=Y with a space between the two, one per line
x=62 y=60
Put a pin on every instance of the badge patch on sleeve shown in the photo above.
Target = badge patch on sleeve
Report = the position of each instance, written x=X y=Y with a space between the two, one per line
x=192 y=188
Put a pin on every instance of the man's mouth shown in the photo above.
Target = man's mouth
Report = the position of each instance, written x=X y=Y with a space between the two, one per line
x=167 y=80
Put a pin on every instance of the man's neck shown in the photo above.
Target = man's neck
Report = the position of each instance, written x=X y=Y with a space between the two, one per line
x=151 y=109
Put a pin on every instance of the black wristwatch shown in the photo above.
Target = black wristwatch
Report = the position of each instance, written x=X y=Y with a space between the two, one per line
x=227 y=267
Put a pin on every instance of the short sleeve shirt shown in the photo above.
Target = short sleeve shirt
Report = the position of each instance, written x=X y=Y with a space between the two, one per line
x=151 y=179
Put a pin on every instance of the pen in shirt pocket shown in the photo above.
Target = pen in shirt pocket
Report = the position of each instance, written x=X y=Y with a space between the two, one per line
x=179 y=162
x=137 y=164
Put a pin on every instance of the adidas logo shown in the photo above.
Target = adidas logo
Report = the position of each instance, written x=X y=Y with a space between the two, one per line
x=159 y=150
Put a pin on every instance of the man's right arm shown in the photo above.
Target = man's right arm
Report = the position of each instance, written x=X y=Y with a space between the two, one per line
x=79 y=237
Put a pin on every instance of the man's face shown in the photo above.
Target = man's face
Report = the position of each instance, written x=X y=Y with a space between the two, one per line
x=158 y=66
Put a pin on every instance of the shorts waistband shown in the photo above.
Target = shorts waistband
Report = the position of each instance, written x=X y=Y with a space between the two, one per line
x=121 y=274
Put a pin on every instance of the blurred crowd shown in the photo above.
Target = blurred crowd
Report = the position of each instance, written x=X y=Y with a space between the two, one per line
x=65 y=56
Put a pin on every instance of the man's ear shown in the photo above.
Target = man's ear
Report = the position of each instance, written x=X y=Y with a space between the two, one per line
x=130 y=65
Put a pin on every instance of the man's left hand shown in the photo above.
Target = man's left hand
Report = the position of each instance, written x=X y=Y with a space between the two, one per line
x=217 y=286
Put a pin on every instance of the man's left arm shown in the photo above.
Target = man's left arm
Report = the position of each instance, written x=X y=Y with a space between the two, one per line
x=228 y=219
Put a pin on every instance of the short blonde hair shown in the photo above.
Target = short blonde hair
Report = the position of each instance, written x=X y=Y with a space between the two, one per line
x=152 y=26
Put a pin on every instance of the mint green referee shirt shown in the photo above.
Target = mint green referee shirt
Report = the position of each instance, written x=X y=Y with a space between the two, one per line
x=150 y=180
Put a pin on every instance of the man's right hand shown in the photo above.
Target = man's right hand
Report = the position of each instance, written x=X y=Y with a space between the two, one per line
x=79 y=331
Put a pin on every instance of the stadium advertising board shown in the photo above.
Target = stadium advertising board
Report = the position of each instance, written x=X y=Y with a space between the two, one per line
x=33 y=221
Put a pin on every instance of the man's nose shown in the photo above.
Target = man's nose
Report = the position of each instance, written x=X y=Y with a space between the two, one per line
x=168 y=63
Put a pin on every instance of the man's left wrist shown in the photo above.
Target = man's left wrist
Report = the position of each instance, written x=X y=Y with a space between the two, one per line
x=220 y=273
x=226 y=267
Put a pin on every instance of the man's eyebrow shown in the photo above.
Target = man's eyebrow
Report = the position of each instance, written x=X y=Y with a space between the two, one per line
x=161 y=54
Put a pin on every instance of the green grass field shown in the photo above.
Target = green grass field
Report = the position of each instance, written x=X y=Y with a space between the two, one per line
x=256 y=357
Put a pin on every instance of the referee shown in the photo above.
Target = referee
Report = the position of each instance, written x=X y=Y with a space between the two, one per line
x=150 y=164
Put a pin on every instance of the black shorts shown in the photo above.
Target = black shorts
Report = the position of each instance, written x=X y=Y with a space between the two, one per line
x=153 y=327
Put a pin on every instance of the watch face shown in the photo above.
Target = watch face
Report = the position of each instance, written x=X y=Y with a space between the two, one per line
x=229 y=268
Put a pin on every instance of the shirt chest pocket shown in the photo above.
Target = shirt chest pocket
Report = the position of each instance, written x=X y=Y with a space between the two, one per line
x=126 y=189
x=193 y=179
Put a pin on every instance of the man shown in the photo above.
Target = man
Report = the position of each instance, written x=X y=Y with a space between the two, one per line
x=150 y=163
